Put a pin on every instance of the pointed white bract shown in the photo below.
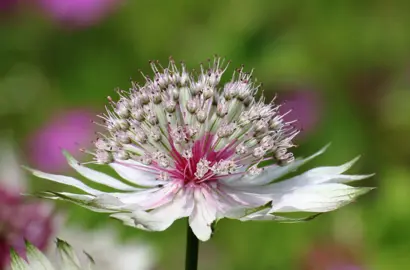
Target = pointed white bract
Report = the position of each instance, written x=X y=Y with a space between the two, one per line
x=36 y=260
x=185 y=145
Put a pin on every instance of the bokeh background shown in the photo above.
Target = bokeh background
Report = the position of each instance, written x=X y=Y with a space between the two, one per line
x=342 y=67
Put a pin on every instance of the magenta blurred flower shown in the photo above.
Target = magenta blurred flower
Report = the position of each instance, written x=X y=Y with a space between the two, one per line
x=68 y=130
x=21 y=220
x=78 y=12
x=7 y=5
x=331 y=257
x=305 y=105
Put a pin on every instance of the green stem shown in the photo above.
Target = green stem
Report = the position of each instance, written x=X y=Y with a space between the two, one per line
x=192 y=246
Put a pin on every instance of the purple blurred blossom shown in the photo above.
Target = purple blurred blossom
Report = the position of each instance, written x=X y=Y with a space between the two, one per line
x=78 y=13
x=20 y=220
x=7 y=5
x=68 y=130
x=305 y=106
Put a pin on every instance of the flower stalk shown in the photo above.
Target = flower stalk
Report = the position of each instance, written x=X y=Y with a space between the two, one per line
x=192 y=248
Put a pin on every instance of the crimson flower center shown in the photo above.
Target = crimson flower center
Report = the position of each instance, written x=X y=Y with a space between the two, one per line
x=198 y=167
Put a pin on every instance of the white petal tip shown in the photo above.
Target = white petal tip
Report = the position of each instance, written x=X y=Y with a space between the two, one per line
x=318 y=153
x=27 y=168
x=353 y=161
x=325 y=147
x=203 y=234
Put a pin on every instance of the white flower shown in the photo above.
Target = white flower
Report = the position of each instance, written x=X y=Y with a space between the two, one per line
x=36 y=260
x=186 y=146
x=109 y=253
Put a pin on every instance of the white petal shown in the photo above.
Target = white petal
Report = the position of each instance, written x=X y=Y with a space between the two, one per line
x=258 y=215
x=314 y=176
x=142 y=220
x=135 y=175
x=69 y=260
x=227 y=206
x=103 y=203
x=181 y=206
x=66 y=180
x=276 y=173
x=36 y=259
x=96 y=176
x=265 y=214
x=61 y=195
x=272 y=172
x=151 y=198
x=127 y=219
x=329 y=174
x=203 y=214
x=344 y=178
x=162 y=217
x=317 y=198
x=17 y=263
x=89 y=265
x=244 y=197
x=139 y=197
x=335 y=169
x=319 y=175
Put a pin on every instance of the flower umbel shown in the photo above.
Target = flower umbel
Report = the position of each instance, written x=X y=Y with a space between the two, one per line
x=186 y=145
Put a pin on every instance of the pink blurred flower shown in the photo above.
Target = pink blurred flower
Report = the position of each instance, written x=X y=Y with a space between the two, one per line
x=20 y=220
x=331 y=256
x=7 y=5
x=304 y=105
x=78 y=12
x=68 y=130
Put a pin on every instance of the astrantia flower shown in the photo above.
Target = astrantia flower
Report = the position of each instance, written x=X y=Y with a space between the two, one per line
x=36 y=260
x=185 y=145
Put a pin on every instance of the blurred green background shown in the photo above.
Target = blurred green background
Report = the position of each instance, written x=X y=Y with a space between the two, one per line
x=350 y=58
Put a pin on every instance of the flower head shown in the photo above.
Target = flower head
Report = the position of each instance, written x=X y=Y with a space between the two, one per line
x=186 y=145
x=36 y=260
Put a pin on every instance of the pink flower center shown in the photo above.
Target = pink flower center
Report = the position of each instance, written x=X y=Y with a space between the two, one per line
x=186 y=169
